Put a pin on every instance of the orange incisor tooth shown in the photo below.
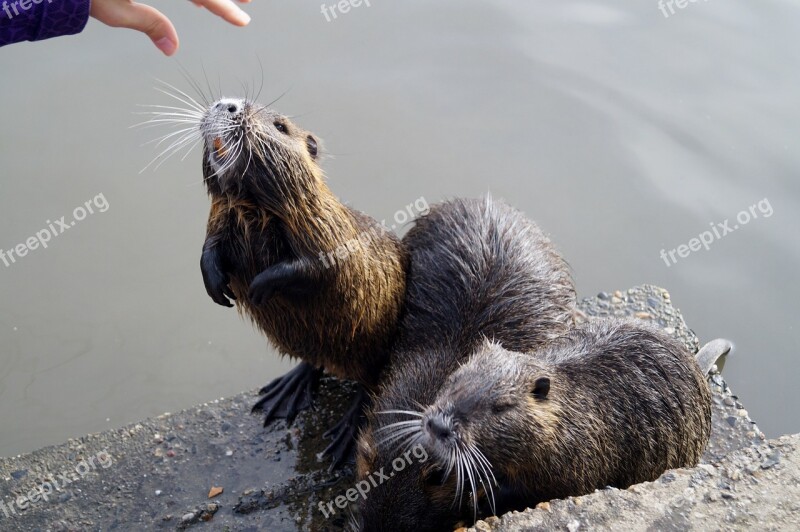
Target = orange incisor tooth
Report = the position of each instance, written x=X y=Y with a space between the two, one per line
x=218 y=147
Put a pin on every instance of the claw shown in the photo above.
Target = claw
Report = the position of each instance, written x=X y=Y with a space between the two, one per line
x=342 y=448
x=287 y=396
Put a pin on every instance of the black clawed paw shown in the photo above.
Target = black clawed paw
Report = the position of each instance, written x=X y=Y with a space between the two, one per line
x=217 y=283
x=262 y=289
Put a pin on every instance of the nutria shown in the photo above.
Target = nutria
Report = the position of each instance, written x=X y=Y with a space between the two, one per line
x=272 y=231
x=611 y=403
x=478 y=268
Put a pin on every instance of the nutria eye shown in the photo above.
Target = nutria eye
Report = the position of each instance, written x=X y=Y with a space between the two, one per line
x=541 y=388
x=311 y=142
x=280 y=126
x=500 y=408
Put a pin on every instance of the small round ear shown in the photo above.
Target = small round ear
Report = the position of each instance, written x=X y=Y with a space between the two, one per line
x=541 y=387
x=313 y=149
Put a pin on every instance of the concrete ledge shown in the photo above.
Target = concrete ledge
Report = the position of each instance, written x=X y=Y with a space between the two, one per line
x=160 y=471
x=756 y=488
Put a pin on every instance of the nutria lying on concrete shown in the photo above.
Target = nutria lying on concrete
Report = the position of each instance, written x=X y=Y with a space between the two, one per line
x=478 y=269
x=272 y=228
x=611 y=403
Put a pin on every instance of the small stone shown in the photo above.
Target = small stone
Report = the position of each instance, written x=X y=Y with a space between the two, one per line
x=771 y=460
x=742 y=413
x=618 y=294
x=187 y=517
x=482 y=527
x=170 y=453
x=616 y=300
x=728 y=401
x=19 y=473
x=731 y=420
x=214 y=491
x=573 y=525
x=158 y=438
x=669 y=330
x=653 y=302
x=158 y=492
x=543 y=506
x=603 y=295
x=643 y=315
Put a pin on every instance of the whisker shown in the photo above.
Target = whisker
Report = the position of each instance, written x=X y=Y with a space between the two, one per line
x=408 y=412
x=194 y=103
x=391 y=426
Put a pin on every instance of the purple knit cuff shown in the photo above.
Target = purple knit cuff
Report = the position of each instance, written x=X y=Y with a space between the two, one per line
x=35 y=20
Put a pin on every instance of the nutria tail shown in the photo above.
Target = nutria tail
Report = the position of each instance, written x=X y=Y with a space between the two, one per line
x=711 y=352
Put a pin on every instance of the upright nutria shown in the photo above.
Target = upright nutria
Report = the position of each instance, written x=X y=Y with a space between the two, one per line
x=273 y=222
x=611 y=403
x=478 y=269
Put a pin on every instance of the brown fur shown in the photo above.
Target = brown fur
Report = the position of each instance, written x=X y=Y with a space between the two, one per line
x=624 y=403
x=273 y=206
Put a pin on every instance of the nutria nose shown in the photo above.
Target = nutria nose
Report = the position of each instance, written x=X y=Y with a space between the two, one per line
x=438 y=427
x=231 y=107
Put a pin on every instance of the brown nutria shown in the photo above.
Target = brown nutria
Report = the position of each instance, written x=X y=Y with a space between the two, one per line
x=272 y=228
x=478 y=268
x=611 y=403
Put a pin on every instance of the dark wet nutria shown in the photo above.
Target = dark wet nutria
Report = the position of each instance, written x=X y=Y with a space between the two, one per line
x=478 y=269
x=272 y=228
x=611 y=403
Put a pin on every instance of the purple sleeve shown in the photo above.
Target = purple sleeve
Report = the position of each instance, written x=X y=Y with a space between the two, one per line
x=35 y=20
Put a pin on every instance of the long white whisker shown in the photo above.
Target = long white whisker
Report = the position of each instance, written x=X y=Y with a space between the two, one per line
x=160 y=140
x=172 y=108
x=197 y=105
x=391 y=426
x=408 y=412
x=483 y=476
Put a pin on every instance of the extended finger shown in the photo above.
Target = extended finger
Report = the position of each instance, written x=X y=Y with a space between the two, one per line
x=226 y=9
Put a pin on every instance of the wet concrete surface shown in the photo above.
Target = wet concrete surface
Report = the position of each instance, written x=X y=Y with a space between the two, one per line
x=157 y=474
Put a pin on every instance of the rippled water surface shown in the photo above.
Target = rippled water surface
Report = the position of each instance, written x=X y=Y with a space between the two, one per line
x=621 y=131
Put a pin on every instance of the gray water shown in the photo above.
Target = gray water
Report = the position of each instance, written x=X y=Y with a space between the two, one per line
x=620 y=131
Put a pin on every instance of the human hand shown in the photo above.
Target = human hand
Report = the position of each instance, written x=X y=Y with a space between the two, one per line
x=153 y=23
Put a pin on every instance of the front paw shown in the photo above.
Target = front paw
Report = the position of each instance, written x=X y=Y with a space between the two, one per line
x=263 y=288
x=217 y=281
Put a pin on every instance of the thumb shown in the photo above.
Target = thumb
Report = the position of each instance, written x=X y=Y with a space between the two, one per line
x=139 y=17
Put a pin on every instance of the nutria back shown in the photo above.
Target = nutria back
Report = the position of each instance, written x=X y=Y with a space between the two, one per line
x=480 y=268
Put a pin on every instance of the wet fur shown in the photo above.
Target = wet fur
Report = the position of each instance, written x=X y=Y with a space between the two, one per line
x=625 y=403
x=273 y=208
x=478 y=269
